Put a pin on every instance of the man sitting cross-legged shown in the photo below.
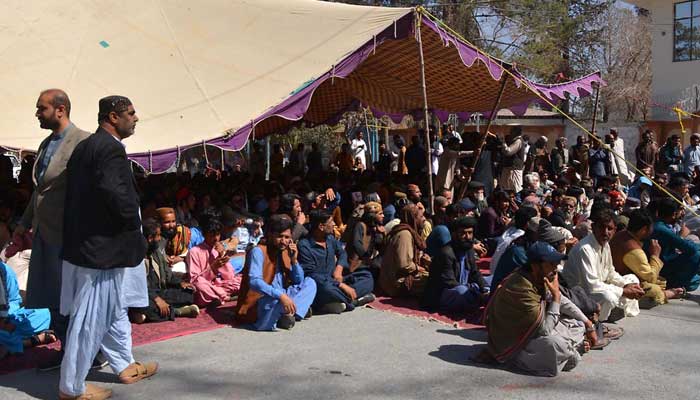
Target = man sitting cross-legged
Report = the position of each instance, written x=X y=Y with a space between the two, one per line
x=323 y=258
x=629 y=257
x=210 y=273
x=274 y=292
x=680 y=255
x=20 y=327
x=168 y=295
x=530 y=324
x=455 y=283
x=590 y=266
x=177 y=239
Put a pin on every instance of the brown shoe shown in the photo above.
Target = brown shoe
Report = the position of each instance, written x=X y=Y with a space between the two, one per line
x=137 y=371
x=92 y=392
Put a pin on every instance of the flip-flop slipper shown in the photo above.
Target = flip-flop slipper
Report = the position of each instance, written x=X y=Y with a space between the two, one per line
x=612 y=333
x=49 y=337
x=602 y=343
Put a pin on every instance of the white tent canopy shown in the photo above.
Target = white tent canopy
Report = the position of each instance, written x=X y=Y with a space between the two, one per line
x=193 y=70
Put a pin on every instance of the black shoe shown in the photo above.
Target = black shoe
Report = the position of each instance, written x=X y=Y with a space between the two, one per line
x=286 y=322
x=332 y=308
x=52 y=363
x=364 y=300
x=616 y=314
x=99 y=362
x=308 y=315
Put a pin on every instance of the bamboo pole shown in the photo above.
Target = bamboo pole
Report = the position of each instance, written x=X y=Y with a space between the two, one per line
x=595 y=109
x=431 y=193
x=482 y=141
x=492 y=117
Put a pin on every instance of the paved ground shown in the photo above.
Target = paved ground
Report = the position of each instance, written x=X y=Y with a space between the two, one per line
x=371 y=354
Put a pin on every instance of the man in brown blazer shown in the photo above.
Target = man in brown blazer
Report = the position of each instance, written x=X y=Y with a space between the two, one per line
x=44 y=214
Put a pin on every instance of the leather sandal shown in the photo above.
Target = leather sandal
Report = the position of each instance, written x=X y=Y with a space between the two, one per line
x=92 y=392
x=612 y=333
x=138 y=371
x=602 y=343
x=43 y=337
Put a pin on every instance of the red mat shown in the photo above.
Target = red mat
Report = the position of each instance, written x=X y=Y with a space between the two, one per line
x=410 y=307
x=213 y=319
x=141 y=334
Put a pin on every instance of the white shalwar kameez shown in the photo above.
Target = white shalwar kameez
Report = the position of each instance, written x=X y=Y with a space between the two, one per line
x=97 y=301
x=590 y=266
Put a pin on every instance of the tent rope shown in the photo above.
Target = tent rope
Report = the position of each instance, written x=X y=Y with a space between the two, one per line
x=222 y=159
x=423 y=11
x=206 y=156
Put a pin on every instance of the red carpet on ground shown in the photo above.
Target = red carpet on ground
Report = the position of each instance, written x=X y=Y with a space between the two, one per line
x=410 y=307
x=141 y=334
x=213 y=319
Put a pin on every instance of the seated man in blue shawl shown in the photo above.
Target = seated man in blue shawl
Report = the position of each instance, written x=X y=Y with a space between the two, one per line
x=19 y=327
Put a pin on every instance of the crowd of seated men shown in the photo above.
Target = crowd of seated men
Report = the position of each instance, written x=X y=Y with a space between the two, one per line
x=568 y=255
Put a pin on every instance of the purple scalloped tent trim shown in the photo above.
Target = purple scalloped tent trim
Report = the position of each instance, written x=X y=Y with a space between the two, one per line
x=295 y=106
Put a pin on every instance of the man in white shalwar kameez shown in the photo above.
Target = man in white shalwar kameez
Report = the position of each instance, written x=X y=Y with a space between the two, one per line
x=103 y=271
x=619 y=165
x=590 y=266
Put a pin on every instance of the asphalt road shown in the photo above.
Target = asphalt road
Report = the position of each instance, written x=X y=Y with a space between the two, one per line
x=369 y=354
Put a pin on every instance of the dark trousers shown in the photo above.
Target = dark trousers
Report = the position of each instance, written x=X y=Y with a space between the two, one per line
x=328 y=292
x=176 y=297
x=680 y=271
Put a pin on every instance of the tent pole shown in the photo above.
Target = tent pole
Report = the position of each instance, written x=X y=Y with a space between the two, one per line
x=492 y=117
x=482 y=141
x=595 y=110
x=426 y=139
x=267 y=158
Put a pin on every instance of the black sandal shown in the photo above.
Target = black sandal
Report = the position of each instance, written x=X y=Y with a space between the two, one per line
x=49 y=337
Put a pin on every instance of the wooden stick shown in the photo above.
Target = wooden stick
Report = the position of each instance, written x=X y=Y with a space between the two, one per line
x=431 y=194
x=482 y=141
x=492 y=117
x=595 y=110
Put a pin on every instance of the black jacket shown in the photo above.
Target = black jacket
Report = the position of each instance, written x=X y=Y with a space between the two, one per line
x=444 y=274
x=165 y=278
x=559 y=219
x=102 y=225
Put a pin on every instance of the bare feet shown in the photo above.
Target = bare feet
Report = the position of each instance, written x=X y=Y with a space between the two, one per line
x=675 y=293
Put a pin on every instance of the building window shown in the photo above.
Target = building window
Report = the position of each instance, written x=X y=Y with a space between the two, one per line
x=686 y=31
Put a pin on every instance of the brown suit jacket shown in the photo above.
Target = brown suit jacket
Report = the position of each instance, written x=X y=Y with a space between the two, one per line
x=44 y=212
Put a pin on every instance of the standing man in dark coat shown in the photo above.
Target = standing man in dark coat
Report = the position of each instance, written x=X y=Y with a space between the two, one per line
x=44 y=213
x=103 y=255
